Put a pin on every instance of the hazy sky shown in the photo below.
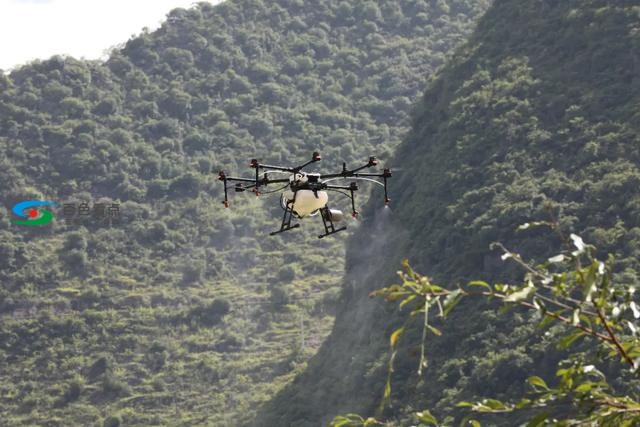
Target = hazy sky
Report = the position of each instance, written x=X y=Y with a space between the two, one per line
x=31 y=29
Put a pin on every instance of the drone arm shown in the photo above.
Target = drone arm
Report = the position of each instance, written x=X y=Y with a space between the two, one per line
x=368 y=165
x=353 y=172
x=257 y=165
x=265 y=181
x=341 y=187
x=260 y=182
x=314 y=158
x=230 y=178
x=252 y=183
x=385 y=175
x=270 y=167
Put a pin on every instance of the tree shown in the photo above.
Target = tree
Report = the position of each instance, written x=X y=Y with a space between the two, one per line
x=105 y=107
x=187 y=185
x=286 y=274
x=210 y=314
x=573 y=289
x=279 y=296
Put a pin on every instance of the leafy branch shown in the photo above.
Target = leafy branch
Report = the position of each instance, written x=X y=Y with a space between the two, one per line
x=572 y=288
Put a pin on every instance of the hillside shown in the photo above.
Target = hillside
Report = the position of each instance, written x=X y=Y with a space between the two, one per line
x=539 y=108
x=184 y=313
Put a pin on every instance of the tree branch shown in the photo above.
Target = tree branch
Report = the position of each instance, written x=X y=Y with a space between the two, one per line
x=614 y=338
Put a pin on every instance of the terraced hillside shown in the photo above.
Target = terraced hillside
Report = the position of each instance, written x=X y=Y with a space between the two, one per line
x=536 y=114
x=185 y=313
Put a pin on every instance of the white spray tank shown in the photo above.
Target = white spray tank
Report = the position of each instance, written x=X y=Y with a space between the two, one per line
x=306 y=201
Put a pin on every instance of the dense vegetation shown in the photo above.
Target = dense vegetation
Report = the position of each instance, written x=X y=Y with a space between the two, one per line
x=536 y=116
x=571 y=291
x=186 y=313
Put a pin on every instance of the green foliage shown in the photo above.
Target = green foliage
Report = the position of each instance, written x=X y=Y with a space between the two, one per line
x=112 y=421
x=280 y=296
x=527 y=118
x=573 y=289
x=211 y=314
x=353 y=420
x=286 y=274
x=74 y=390
x=212 y=88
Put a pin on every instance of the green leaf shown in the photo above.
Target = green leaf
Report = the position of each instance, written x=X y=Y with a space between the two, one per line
x=584 y=387
x=465 y=404
x=407 y=300
x=351 y=420
x=521 y=295
x=480 y=283
x=395 y=336
x=370 y=422
x=426 y=417
x=566 y=341
x=494 y=404
x=546 y=320
x=538 y=419
x=537 y=382
x=523 y=403
x=452 y=300
x=392 y=296
x=387 y=392
x=434 y=288
x=435 y=330
x=340 y=421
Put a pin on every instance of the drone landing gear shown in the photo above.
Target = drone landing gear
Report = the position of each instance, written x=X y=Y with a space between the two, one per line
x=286 y=220
x=329 y=228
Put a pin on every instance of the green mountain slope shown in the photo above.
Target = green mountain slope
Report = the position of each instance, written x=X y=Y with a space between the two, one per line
x=186 y=313
x=539 y=108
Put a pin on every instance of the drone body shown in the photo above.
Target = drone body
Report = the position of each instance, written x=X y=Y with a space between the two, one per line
x=306 y=194
x=304 y=201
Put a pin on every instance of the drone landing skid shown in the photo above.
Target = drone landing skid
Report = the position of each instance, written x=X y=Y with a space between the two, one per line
x=329 y=228
x=286 y=221
x=283 y=229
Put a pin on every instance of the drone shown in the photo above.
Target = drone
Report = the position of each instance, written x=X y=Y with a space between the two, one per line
x=305 y=194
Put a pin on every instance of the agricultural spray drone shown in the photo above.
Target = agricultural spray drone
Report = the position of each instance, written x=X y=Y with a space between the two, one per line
x=306 y=194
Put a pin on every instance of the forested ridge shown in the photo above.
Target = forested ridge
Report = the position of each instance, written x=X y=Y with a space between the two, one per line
x=186 y=313
x=535 y=117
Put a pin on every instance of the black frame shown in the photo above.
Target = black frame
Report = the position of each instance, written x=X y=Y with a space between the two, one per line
x=315 y=183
